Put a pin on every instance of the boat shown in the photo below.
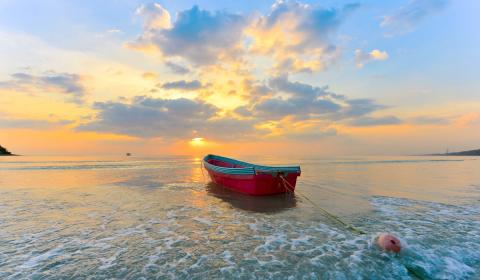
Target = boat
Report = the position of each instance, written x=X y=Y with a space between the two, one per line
x=251 y=179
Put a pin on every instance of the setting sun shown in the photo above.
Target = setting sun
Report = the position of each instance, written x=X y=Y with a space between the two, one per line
x=197 y=141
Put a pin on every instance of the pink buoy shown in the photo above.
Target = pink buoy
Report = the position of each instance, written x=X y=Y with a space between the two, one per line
x=389 y=242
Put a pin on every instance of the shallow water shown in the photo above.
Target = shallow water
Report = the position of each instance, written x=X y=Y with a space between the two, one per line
x=82 y=217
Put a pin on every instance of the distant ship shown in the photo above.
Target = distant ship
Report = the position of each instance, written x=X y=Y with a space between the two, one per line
x=128 y=154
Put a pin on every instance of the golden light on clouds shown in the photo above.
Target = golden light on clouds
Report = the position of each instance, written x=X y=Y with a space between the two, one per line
x=289 y=78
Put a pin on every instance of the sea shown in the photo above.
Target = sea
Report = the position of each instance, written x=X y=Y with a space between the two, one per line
x=162 y=218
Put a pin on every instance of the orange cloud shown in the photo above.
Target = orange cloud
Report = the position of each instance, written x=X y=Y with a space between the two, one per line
x=468 y=119
x=149 y=76
x=362 y=58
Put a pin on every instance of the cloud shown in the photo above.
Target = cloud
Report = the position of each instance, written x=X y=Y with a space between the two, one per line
x=155 y=16
x=149 y=76
x=298 y=36
x=426 y=120
x=407 y=17
x=230 y=129
x=151 y=117
x=23 y=123
x=372 y=121
x=177 y=68
x=361 y=58
x=256 y=90
x=69 y=84
x=283 y=108
x=201 y=37
x=184 y=85
x=312 y=135
x=301 y=101
x=278 y=107
x=468 y=119
x=166 y=118
x=359 y=107
x=114 y=31
x=298 y=89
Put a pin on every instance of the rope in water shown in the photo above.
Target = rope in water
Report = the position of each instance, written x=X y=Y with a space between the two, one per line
x=291 y=189
x=325 y=212
x=201 y=168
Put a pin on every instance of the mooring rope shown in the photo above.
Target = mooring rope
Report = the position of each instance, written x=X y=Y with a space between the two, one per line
x=201 y=167
x=325 y=212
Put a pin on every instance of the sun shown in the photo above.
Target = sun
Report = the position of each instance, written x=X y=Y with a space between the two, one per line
x=197 y=141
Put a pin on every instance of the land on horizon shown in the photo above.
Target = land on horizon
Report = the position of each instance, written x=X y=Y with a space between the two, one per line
x=5 y=152
x=462 y=153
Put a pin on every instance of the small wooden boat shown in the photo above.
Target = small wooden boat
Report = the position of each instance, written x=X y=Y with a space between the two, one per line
x=250 y=178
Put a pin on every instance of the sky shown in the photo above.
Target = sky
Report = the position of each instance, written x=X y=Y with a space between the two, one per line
x=308 y=78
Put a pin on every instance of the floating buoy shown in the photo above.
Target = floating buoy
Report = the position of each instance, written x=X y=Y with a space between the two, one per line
x=389 y=242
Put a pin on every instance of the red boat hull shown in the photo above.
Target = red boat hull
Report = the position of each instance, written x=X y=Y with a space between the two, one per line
x=253 y=184
x=261 y=184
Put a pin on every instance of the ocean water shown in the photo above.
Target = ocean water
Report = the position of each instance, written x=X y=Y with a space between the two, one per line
x=160 y=218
